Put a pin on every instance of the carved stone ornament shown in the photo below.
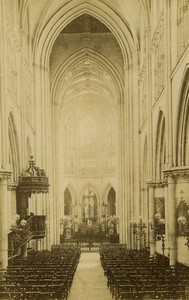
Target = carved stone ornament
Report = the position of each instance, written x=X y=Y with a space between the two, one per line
x=12 y=186
x=183 y=218
x=157 y=184
x=177 y=173
x=5 y=176
x=33 y=180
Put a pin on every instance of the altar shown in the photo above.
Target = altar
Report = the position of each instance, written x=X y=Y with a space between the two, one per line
x=92 y=220
x=89 y=230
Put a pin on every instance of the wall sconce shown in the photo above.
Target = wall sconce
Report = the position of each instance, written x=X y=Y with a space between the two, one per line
x=158 y=225
x=157 y=216
x=182 y=228
x=182 y=223
x=183 y=220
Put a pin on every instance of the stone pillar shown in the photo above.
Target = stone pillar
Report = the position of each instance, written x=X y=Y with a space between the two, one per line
x=172 y=175
x=172 y=221
x=4 y=177
x=166 y=219
x=121 y=192
x=151 y=218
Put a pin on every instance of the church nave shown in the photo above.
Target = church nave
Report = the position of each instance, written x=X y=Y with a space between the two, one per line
x=89 y=282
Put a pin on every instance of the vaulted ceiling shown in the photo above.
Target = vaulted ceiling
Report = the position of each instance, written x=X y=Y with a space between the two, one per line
x=45 y=12
x=129 y=10
x=86 y=46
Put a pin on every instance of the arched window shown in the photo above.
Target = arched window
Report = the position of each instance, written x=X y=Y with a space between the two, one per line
x=67 y=203
x=111 y=202
x=89 y=202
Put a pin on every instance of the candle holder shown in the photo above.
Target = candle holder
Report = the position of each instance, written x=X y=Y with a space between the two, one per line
x=138 y=230
x=158 y=225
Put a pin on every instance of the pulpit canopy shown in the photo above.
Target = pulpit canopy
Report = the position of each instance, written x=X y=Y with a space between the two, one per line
x=33 y=179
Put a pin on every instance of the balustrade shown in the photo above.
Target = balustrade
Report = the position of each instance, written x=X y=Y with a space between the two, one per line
x=31 y=228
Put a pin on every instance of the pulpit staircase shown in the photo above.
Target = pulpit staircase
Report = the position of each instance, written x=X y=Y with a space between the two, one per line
x=21 y=235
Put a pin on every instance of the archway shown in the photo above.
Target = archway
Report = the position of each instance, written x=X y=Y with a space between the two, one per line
x=111 y=201
x=67 y=202
x=89 y=206
x=98 y=81
x=182 y=145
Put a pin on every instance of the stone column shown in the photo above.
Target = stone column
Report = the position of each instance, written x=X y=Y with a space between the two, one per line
x=166 y=219
x=172 y=175
x=172 y=221
x=151 y=218
x=4 y=177
x=121 y=192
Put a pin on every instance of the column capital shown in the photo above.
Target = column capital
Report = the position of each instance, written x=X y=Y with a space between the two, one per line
x=12 y=186
x=157 y=183
x=177 y=173
x=5 y=175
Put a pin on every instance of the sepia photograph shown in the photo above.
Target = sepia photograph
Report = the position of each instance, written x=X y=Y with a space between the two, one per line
x=94 y=149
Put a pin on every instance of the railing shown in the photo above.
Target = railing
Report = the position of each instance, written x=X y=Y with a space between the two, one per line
x=34 y=229
x=18 y=237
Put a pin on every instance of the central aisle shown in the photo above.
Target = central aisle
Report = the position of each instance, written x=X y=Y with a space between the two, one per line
x=89 y=281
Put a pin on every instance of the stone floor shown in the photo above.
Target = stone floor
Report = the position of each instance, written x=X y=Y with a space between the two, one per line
x=89 y=281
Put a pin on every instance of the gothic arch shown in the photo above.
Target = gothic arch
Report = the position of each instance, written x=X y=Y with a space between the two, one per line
x=76 y=58
x=14 y=152
x=89 y=203
x=90 y=186
x=68 y=201
x=160 y=146
x=106 y=192
x=111 y=201
x=49 y=29
x=72 y=192
x=182 y=135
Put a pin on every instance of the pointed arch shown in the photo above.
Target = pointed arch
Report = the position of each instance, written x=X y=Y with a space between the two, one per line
x=160 y=146
x=182 y=137
x=99 y=59
x=90 y=186
x=89 y=204
x=67 y=202
x=106 y=192
x=72 y=192
x=111 y=201
x=49 y=29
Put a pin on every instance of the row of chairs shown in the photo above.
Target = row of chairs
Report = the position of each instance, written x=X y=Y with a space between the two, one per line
x=135 y=275
x=41 y=275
